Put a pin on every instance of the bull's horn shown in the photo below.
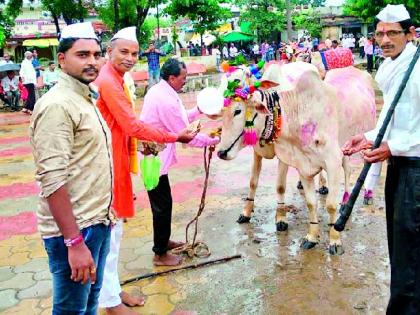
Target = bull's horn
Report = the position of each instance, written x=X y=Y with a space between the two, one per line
x=223 y=84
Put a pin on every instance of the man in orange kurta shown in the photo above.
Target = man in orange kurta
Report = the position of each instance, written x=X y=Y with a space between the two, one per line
x=116 y=107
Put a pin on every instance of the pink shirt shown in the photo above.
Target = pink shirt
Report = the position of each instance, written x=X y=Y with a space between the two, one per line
x=163 y=109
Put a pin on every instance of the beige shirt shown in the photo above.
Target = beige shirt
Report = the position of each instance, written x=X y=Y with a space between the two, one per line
x=71 y=145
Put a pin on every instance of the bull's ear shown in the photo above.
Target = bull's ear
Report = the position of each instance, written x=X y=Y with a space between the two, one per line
x=267 y=84
x=261 y=109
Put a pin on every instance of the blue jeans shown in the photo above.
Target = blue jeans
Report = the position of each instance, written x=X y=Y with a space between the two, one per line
x=154 y=77
x=74 y=298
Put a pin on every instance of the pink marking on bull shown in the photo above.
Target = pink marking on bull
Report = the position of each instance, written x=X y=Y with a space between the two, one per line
x=16 y=151
x=307 y=132
x=328 y=110
x=24 y=223
x=18 y=191
x=346 y=198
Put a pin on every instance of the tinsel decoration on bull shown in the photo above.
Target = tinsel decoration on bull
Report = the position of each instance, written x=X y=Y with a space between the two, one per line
x=250 y=134
x=237 y=92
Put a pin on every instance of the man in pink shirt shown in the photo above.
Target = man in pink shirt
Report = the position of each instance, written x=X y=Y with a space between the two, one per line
x=163 y=109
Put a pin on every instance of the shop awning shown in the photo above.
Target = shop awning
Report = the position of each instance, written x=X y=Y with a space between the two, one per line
x=40 y=42
x=237 y=37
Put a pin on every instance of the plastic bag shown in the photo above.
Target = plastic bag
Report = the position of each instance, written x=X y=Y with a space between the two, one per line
x=150 y=170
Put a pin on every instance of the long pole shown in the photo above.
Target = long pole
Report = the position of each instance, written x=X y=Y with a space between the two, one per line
x=158 y=28
x=346 y=209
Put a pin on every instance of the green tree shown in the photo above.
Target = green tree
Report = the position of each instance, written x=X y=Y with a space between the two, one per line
x=367 y=9
x=310 y=21
x=7 y=18
x=70 y=11
x=118 y=14
x=206 y=15
x=267 y=17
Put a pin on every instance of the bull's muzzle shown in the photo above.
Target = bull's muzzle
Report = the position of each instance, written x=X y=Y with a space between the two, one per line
x=222 y=154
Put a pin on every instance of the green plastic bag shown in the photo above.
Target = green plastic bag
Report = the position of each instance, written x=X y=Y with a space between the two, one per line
x=150 y=170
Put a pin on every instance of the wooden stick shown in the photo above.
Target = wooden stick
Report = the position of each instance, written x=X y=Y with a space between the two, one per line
x=193 y=266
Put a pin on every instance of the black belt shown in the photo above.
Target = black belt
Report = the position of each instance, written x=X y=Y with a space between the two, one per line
x=410 y=161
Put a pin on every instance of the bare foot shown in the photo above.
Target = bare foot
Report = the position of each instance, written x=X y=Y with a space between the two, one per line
x=174 y=244
x=167 y=260
x=120 y=310
x=132 y=300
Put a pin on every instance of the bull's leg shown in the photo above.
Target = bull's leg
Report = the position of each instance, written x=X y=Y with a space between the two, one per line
x=311 y=239
x=323 y=190
x=335 y=246
x=245 y=217
x=347 y=170
x=281 y=220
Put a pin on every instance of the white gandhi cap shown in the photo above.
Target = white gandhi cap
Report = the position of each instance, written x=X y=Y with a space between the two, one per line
x=128 y=33
x=393 y=14
x=79 y=30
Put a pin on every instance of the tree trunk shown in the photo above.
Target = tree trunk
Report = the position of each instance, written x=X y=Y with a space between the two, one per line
x=141 y=16
x=116 y=15
x=57 y=25
x=289 y=20
x=81 y=17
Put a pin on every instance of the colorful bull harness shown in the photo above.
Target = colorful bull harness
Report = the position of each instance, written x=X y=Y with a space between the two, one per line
x=273 y=121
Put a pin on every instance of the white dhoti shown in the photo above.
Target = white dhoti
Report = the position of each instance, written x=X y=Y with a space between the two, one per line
x=111 y=289
x=373 y=176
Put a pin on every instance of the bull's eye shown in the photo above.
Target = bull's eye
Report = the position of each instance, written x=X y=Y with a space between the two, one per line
x=237 y=112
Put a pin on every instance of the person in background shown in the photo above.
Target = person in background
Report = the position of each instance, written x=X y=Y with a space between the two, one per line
x=334 y=44
x=328 y=43
x=5 y=60
x=216 y=52
x=153 y=58
x=362 y=42
x=35 y=63
x=233 y=51
x=369 y=48
x=225 y=52
x=400 y=147
x=10 y=85
x=28 y=75
x=50 y=75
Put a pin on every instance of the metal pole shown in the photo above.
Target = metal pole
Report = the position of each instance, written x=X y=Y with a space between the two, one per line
x=158 y=28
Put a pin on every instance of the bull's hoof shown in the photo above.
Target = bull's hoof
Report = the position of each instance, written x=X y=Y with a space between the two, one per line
x=299 y=185
x=323 y=190
x=243 y=219
x=307 y=244
x=335 y=249
x=282 y=226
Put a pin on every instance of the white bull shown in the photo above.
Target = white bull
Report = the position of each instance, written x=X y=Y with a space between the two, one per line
x=317 y=117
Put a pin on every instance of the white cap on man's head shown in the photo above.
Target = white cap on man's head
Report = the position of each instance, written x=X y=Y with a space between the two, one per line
x=79 y=30
x=393 y=13
x=128 y=33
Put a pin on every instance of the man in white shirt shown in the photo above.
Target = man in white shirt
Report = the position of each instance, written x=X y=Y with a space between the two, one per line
x=401 y=147
x=10 y=85
x=225 y=52
x=5 y=60
x=50 y=75
x=233 y=51
x=28 y=75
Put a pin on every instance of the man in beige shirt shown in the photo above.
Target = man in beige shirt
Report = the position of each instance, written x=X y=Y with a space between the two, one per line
x=72 y=151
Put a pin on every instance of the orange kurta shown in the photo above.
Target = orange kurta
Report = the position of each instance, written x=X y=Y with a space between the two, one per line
x=117 y=111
